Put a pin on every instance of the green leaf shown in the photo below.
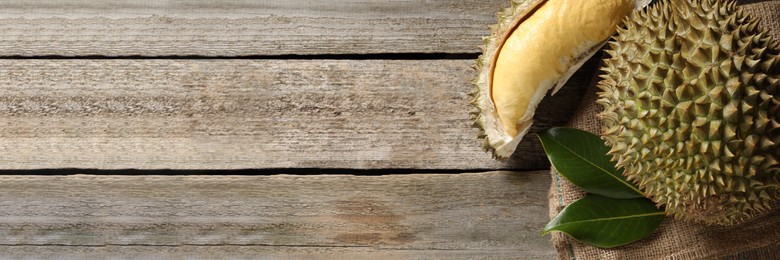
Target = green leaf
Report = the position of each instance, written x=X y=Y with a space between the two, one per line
x=581 y=158
x=606 y=222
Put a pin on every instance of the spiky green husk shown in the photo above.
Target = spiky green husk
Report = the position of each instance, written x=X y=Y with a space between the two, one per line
x=692 y=110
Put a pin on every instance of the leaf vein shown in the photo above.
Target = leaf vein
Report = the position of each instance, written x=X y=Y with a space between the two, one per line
x=615 y=218
x=596 y=166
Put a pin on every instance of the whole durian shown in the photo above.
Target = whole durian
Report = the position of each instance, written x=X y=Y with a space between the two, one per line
x=692 y=111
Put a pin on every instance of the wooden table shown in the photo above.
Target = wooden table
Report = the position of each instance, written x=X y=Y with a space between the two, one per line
x=258 y=129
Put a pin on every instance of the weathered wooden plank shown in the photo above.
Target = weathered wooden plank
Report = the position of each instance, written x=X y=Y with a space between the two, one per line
x=242 y=27
x=235 y=114
x=482 y=215
x=255 y=252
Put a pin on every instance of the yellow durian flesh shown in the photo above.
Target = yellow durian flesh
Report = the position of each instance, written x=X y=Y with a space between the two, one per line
x=538 y=49
x=543 y=48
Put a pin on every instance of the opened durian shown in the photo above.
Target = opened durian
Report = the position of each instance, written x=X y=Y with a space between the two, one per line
x=692 y=110
x=536 y=46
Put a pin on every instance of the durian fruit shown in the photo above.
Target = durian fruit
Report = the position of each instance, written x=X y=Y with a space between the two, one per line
x=536 y=46
x=692 y=111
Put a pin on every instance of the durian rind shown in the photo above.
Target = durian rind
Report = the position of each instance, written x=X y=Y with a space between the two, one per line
x=484 y=116
x=692 y=110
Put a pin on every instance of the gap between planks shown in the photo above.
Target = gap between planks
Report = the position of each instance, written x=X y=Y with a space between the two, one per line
x=240 y=172
x=483 y=215
x=355 y=57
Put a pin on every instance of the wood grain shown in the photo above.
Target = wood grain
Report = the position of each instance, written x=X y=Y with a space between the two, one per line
x=242 y=27
x=481 y=215
x=258 y=252
x=237 y=114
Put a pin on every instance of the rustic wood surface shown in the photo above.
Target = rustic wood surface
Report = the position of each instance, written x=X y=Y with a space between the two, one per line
x=340 y=85
x=377 y=86
x=236 y=114
x=453 y=216
x=242 y=27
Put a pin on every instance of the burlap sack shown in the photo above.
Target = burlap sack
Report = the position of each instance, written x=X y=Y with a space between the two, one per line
x=757 y=239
